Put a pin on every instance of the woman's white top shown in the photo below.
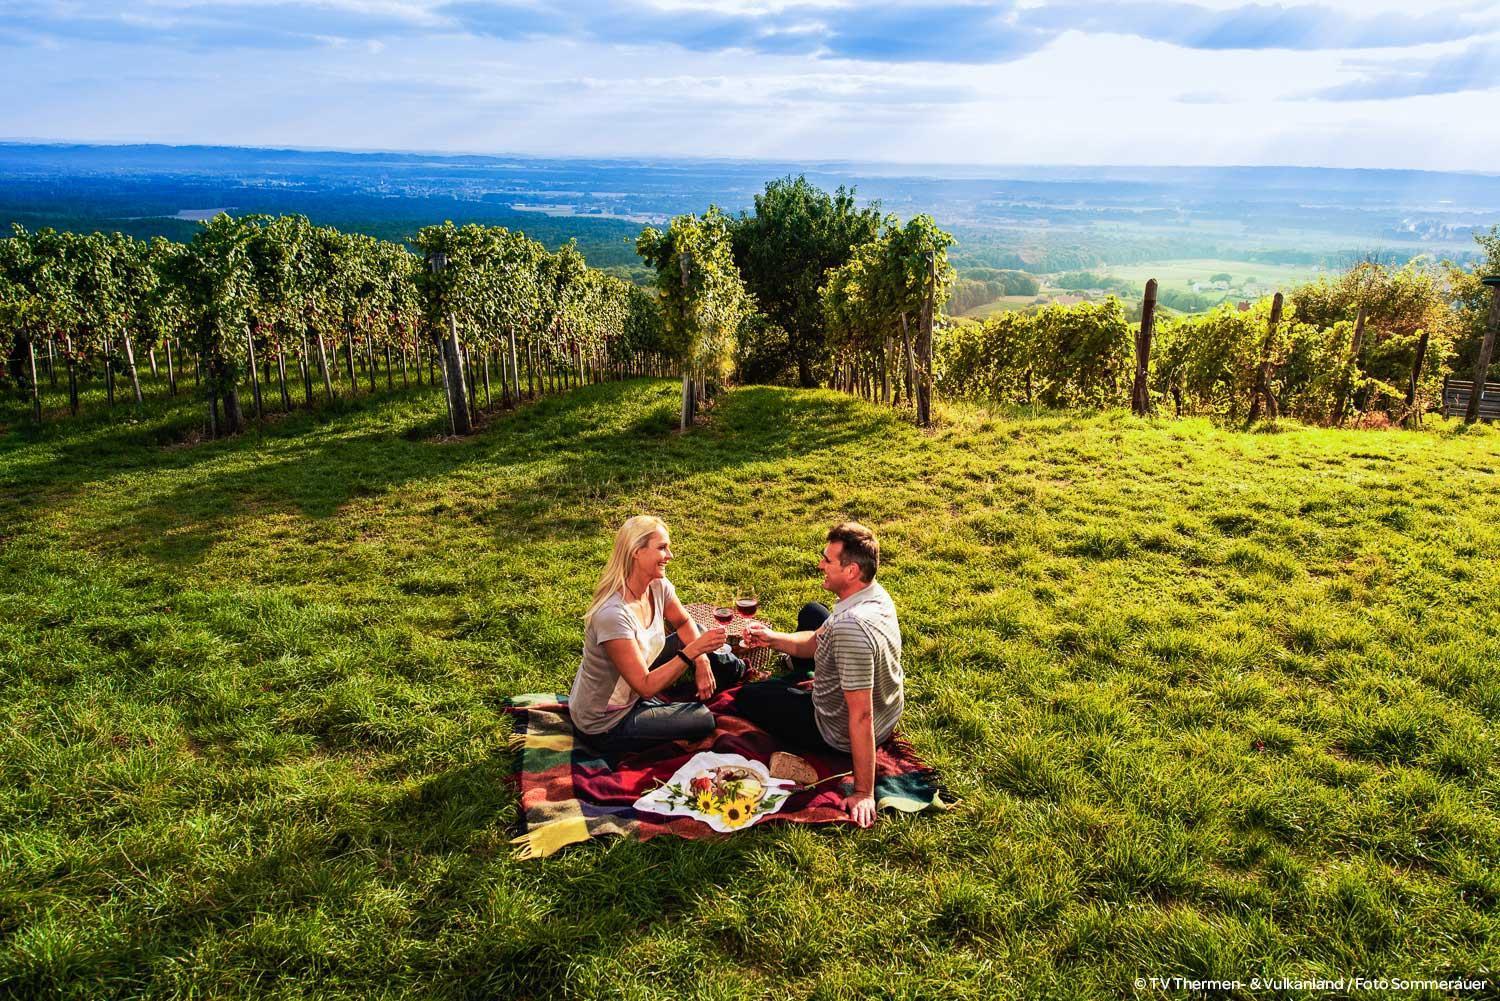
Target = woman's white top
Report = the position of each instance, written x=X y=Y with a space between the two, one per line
x=601 y=697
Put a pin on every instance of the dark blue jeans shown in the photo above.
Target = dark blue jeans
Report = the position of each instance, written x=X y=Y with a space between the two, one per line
x=812 y=615
x=779 y=706
x=656 y=721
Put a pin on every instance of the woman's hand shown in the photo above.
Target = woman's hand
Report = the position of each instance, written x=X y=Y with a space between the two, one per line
x=711 y=639
x=704 y=676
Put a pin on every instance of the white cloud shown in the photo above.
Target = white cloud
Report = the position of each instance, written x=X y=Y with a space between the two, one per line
x=1082 y=98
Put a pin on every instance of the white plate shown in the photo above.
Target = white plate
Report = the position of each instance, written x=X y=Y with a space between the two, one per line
x=659 y=800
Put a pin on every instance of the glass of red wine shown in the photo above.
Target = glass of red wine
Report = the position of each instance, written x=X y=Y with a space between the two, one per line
x=746 y=603
x=724 y=615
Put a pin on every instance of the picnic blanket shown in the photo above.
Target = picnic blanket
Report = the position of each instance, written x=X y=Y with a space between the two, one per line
x=570 y=792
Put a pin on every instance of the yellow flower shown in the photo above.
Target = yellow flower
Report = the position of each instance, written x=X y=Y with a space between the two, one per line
x=738 y=811
x=705 y=803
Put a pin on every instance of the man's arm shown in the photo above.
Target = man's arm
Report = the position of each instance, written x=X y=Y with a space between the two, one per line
x=803 y=644
x=861 y=803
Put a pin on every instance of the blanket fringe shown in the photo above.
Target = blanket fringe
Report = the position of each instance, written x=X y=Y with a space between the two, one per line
x=516 y=741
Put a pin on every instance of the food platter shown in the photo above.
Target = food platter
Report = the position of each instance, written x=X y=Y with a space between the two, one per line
x=725 y=791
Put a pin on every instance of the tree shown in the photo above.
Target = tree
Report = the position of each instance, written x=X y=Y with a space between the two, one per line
x=217 y=276
x=703 y=299
x=784 y=250
x=885 y=296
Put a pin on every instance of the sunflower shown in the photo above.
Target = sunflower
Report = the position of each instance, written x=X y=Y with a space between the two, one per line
x=737 y=812
x=704 y=803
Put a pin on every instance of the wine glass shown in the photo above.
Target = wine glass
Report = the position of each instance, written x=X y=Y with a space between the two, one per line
x=747 y=603
x=724 y=615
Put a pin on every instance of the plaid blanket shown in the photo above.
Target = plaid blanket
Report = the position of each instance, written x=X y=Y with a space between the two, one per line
x=570 y=793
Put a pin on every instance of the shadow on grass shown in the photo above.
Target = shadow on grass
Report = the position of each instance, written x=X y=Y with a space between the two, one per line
x=556 y=455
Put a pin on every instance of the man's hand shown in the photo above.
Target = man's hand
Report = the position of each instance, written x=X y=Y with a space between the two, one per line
x=703 y=674
x=755 y=635
x=860 y=808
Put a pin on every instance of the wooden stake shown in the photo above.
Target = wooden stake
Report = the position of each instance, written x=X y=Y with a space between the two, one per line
x=1345 y=383
x=924 y=348
x=72 y=378
x=323 y=366
x=109 y=372
x=36 y=393
x=454 y=367
x=1140 y=391
x=1486 y=350
x=260 y=413
x=1261 y=393
x=370 y=361
x=1412 y=417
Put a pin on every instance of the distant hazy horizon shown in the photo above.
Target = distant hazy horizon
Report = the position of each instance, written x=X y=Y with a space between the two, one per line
x=972 y=170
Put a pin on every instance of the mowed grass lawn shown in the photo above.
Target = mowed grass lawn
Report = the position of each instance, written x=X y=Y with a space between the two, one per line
x=1217 y=704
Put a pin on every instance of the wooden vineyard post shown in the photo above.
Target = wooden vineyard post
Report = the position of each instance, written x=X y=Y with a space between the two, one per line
x=260 y=413
x=1412 y=417
x=109 y=371
x=456 y=384
x=1262 y=391
x=924 y=348
x=470 y=388
x=135 y=379
x=72 y=377
x=453 y=371
x=51 y=363
x=370 y=361
x=349 y=355
x=305 y=365
x=515 y=363
x=151 y=357
x=689 y=404
x=1345 y=386
x=36 y=392
x=1140 y=392
x=390 y=376
x=323 y=366
x=448 y=399
x=1486 y=350
x=286 y=399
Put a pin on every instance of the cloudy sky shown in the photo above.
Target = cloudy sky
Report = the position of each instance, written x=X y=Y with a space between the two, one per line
x=1328 y=82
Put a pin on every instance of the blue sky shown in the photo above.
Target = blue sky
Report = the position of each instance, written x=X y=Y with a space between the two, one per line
x=1333 y=83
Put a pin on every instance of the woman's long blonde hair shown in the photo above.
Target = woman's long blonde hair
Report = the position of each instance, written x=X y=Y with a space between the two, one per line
x=629 y=540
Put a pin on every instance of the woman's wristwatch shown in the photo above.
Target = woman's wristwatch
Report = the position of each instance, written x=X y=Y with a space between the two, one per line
x=685 y=658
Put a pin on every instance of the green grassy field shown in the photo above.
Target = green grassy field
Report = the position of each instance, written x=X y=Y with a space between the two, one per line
x=1218 y=704
x=1182 y=274
x=1178 y=275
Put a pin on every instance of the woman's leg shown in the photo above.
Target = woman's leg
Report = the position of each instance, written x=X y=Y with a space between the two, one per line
x=810 y=618
x=652 y=721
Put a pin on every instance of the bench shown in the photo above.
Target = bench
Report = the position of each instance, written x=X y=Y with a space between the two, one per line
x=1456 y=393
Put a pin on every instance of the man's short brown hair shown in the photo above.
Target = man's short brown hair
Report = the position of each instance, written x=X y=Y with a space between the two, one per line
x=859 y=546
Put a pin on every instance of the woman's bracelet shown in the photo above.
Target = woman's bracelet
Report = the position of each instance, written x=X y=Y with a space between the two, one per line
x=685 y=658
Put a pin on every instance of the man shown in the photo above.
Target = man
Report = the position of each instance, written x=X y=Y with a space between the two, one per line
x=855 y=653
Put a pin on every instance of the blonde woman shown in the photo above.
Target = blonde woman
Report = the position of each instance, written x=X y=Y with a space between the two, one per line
x=628 y=658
